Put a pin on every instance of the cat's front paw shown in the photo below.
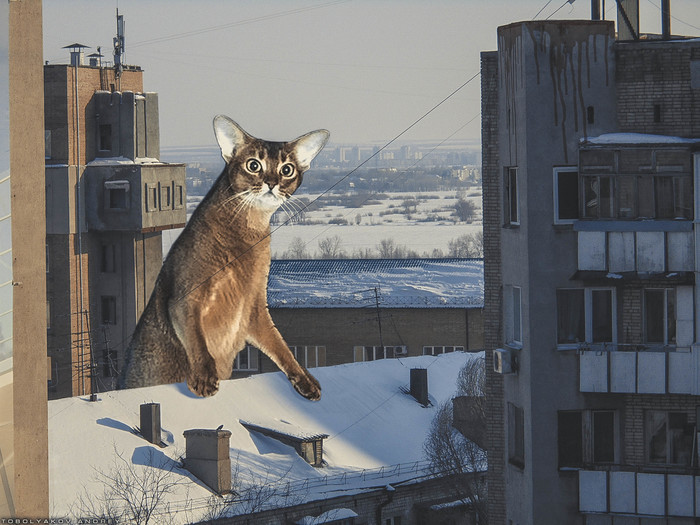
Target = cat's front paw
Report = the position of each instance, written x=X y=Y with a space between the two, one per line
x=203 y=387
x=307 y=386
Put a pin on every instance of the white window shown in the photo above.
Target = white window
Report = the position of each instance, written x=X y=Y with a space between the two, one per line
x=374 y=353
x=309 y=356
x=437 y=350
x=247 y=359
x=586 y=315
x=511 y=204
x=660 y=316
x=566 y=200
x=513 y=315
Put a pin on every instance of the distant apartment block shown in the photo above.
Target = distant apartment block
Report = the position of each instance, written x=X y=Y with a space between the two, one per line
x=591 y=170
x=108 y=198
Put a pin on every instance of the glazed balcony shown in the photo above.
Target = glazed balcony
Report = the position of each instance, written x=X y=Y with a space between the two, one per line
x=638 y=369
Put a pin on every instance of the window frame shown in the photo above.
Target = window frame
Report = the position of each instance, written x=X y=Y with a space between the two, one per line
x=584 y=451
x=252 y=357
x=364 y=352
x=512 y=338
x=433 y=350
x=108 y=310
x=665 y=321
x=668 y=437
x=318 y=357
x=557 y=171
x=516 y=435
x=511 y=200
x=588 y=294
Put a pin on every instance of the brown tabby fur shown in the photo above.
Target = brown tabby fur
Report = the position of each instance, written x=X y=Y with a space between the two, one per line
x=210 y=297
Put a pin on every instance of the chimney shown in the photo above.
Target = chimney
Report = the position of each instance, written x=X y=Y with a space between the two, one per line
x=419 y=385
x=666 y=19
x=628 y=19
x=77 y=58
x=150 y=422
x=207 y=456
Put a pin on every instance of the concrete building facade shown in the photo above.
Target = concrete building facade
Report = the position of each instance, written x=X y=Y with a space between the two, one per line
x=108 y=198
x=590 y=269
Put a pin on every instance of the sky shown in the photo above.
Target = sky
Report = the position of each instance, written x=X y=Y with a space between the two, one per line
x=365 y=70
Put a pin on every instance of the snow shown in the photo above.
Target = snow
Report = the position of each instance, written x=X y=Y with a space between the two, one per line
x=111 y=161
x=376 y=432
x=414 y=283
x=328 y=516
x=637 y=138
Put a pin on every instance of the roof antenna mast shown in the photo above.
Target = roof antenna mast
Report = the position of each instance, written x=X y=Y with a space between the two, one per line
x=119 y=47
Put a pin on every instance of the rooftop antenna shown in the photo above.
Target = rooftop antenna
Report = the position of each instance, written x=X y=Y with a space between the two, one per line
x=119 y=46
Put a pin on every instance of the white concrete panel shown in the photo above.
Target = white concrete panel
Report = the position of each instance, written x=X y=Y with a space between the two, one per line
x=591 y=251
x=623 y=489
x=697 y=496
x=621 y=252
x=685 y=324
x=651 y=376
x=592 y=491
x=594 y=372
x=680 y=495
x=650 y=252
x=650 y=494
x=623 y=372
x=681 y=252
x=681 y=374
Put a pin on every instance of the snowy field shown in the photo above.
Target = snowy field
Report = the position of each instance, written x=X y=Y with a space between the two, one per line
x=428 y=226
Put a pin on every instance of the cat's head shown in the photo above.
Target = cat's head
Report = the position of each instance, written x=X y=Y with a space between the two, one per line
x=265 y=173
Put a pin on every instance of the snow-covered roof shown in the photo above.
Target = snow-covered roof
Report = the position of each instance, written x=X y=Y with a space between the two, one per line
x=376 y=433
x=400 y=283
x=637 y=138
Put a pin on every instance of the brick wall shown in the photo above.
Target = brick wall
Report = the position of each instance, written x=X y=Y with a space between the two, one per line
x=493 y=338
x=652 y=74
x=408 y=502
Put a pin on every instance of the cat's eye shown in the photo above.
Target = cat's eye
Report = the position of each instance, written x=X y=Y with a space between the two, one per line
x=287 y=170
x=253 y=166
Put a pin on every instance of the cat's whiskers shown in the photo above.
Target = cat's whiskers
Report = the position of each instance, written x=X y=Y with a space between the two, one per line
x=236 y=196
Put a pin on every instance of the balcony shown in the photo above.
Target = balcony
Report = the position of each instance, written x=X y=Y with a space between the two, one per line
x=628 y=369
x=635 y=248
x=639 y=493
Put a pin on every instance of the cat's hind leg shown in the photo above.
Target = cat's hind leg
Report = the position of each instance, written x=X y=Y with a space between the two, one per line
x=268 y=339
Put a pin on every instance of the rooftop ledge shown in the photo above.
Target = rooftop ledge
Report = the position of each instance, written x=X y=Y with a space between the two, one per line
x=632 y=139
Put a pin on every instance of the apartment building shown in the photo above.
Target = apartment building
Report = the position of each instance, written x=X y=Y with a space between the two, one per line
x=108 y=198
x=591 y=159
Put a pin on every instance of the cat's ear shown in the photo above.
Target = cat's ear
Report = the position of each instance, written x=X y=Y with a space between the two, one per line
x=308 y=146
x=229 y=135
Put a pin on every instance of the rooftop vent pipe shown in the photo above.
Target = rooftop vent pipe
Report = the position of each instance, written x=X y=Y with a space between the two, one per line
x=150 y=422
x=419 y=385
x=207 y=457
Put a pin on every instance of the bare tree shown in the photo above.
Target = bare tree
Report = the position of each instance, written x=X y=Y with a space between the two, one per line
x=297 y=250
x=450 y=453
x=132 y=493
x=467 y=245
x=330 y=248
x=465 y=210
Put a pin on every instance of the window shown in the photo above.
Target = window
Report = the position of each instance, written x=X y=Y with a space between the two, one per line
x=660 y=316
x=109 y=258
x=309 y=356
x=565 y=195
x=396 y=520
x=585 y=437
x=117 y=194
x=511 y=205
x=637 y=197
x=48 y=314
x=373 y=353
x=109 y=309
x=513 y=315
x=586 y=315
x=590 y=114
x=516 y=435
x=669 y=437
x=151 y=197
x=246 y=359
x=166 y=197
x=179 y=201
x=570 y=438
x=437 y=350
x=105 y=138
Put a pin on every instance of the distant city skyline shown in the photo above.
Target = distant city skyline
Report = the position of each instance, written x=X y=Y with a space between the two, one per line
x=364 y=70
